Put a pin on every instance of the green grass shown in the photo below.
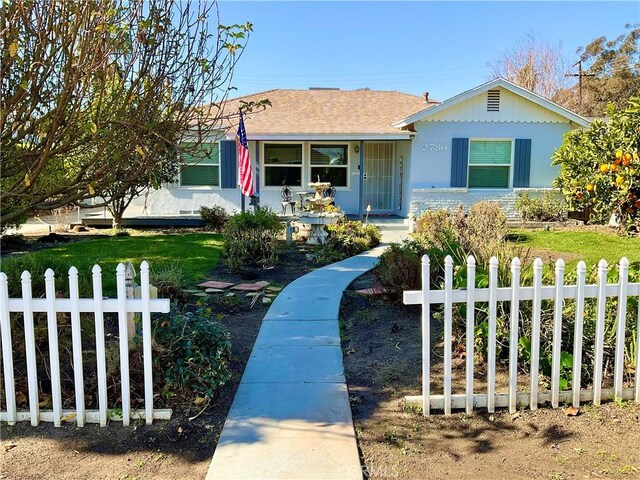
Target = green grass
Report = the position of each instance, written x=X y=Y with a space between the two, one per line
x=585 y=245
x=195 y=253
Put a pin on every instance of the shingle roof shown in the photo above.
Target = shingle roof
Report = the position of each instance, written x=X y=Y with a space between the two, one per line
x=327 y=112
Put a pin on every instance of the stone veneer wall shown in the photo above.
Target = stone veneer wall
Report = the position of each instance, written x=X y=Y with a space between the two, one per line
x=449 y=198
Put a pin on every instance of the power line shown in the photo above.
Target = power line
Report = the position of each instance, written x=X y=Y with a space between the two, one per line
x=580 y=74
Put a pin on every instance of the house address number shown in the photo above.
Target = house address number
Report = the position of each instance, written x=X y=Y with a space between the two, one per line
x=434 y=147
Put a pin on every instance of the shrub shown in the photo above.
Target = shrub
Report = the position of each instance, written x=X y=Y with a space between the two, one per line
x=11 y=243
x=399 y=268
x=168 y=280
x=192 y=352
x=549 y=208
x=215 y=218
x=348 y=238
x=483 y=229
x=480 y=231
x=434 y=227
x=600 y=166
x=251 y=238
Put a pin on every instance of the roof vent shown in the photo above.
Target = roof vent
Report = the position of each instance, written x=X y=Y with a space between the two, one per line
x=425 y=97
x=493 y=101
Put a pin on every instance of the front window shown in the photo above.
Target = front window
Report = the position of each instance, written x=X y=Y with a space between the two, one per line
x=489 y=163
x=282 y=165
x=330 y=163
x=201 y=165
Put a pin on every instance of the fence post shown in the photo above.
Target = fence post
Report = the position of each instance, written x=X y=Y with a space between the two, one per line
x=124 y=344
x=7 y=351
x=602 y=301
x=426 y=337
x=620 y=330
x=76 y=340
x=535 y=332
x=577 y=336
x=448 y=325
x=100 y=347
x=471 y=307
x=556 y=349
x=129 y=276
x=513 y=334
x=54 y=358
x=146 y=343
x=491 y=350
x=30 y=348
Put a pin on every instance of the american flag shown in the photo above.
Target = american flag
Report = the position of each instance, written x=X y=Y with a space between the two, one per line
x=246 y=174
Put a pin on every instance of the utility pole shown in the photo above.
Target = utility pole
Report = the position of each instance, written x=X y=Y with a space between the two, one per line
x=579 y=75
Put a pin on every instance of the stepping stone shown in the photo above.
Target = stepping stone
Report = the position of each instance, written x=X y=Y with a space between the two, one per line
x=214 y=290
x=230 y=294
x=247 y=287
x=262 y=284
x=274 y=289
x=200 y=294
x=372 y=292
x=215 y=284
x=252 y=294
x=191 y=290
x=266 y=300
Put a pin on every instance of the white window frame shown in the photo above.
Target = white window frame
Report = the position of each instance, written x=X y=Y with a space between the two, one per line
x=347 y=166
x=510 y=165
x=203 y=165
x=264 y=164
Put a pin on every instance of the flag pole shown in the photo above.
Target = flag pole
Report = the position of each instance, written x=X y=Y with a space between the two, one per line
x=247 y=187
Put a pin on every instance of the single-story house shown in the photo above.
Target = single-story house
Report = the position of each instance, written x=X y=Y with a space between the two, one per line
x=397 y=153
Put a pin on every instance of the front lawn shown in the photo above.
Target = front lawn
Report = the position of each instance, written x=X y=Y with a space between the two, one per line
x=194 y=253
x=574 y=246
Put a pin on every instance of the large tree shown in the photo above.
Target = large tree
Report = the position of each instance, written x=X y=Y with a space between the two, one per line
x=95 y=92
x=533 y=64
x=610 y=73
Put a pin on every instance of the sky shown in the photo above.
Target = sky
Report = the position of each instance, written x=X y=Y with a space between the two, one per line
x=441 y=47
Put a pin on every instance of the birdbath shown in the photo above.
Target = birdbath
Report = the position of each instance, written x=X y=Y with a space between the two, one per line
x=317 y=217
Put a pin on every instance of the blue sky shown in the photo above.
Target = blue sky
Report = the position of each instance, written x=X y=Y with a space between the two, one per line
x=440 y=47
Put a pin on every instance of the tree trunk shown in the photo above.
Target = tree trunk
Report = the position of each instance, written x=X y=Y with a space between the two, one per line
x=117 y=220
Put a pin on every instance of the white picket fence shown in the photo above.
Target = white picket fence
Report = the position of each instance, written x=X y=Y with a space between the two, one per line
x=516 y=294
x=74 y=306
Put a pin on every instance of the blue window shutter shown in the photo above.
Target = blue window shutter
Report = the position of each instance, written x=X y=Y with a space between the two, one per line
x=228 y=164
x=522 y=163
x=459 y=161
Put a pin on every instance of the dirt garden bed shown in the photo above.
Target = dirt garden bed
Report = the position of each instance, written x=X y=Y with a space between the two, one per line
x=381 y=346
x=179 y=448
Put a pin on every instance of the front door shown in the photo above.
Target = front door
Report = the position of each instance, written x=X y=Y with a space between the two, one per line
x=378 y=176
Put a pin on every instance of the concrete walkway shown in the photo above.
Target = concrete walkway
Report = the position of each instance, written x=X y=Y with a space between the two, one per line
x=291 y=417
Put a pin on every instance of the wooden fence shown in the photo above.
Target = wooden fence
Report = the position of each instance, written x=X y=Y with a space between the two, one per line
x=74 y=306
x=515 y=294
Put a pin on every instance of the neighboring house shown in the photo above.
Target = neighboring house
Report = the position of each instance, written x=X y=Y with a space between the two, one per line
x=394 y=152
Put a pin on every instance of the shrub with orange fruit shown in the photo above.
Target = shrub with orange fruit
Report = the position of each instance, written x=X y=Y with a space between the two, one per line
x=600 y=167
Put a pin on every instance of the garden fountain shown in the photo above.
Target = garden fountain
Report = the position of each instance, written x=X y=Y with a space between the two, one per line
x=317 y=217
